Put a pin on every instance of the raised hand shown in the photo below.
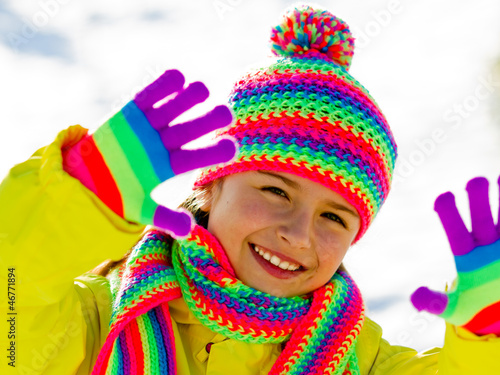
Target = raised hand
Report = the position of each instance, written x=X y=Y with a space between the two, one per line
x=138 y=148
x=474 y=301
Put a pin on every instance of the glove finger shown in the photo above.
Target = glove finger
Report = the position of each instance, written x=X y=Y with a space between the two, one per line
x=460 y=240
x=425 y=299
x=178 y=223
x=188 y=160
x=165 y=85
x=483 y=227
x=175 y=136
x=162 y=116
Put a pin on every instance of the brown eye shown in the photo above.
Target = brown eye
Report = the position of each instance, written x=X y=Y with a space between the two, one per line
x=276 y=191
x=333 y=217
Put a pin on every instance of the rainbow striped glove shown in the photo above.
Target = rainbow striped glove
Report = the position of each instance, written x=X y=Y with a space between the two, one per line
x=137 y=149
x=474 y=301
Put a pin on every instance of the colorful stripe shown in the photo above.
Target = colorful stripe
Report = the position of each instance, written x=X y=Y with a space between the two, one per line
x=125 y=158
x=116 y=161
x=463 y=303
x=74 y=164
x=321 y=331
x=333 y=139
x=336 y=163
x=481 y=256
x=105 y=185
x=329 y=97
x=486 y=321
x=477 y=283
x=138 y=311
x=150 y=141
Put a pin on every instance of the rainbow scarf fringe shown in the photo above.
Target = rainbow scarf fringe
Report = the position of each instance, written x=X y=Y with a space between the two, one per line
x=320 y=332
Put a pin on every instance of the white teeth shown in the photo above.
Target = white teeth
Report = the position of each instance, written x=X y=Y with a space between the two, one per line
x=283 y=264
x=275 y=260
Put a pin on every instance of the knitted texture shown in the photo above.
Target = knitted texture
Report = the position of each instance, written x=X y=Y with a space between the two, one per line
x=140 y=340
x=305 y=114
x=321 y=330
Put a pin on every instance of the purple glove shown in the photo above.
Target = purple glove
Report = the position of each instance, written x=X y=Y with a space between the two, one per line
x=474 y=302
x=138 y=148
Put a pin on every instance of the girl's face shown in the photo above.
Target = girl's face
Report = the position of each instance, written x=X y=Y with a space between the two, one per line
x=283 y=234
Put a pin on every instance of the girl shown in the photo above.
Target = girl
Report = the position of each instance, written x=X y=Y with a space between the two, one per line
x=257 y=284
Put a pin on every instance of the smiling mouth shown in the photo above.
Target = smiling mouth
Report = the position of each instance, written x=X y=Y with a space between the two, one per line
x=275 y=260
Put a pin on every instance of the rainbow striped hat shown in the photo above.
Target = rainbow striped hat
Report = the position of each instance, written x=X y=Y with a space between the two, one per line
x=305 y=114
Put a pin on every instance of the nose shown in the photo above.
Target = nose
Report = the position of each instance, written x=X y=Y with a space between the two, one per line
x=296 y=229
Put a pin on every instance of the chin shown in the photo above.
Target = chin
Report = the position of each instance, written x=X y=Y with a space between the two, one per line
x=280 y=292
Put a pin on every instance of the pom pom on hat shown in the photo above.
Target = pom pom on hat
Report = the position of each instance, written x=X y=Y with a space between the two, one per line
x=305 y=30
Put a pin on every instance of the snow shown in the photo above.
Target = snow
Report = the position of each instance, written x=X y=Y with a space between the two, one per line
x=433 y=67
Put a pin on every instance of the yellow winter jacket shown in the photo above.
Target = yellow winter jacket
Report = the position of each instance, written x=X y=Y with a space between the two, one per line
x=55 y=314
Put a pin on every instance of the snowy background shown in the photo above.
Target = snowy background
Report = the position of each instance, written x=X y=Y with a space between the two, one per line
x=433 y=67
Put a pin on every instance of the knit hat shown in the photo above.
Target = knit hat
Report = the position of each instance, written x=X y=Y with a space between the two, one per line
x=305 y=114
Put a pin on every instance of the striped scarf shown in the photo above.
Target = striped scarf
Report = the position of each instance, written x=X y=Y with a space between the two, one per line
x=320 y=330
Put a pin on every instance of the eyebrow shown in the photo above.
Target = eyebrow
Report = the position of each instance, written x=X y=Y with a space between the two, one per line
x=297 y=186
x=287 y=181
x=342 y=208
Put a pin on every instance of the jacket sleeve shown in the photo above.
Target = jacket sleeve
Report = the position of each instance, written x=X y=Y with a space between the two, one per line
x=463 y=353
x=52 y=229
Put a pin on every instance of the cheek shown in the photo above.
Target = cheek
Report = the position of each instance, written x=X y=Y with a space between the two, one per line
x=329 y=259
x=331 y=250
x=250 y=214
x=256 y=213
x=233 y=218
